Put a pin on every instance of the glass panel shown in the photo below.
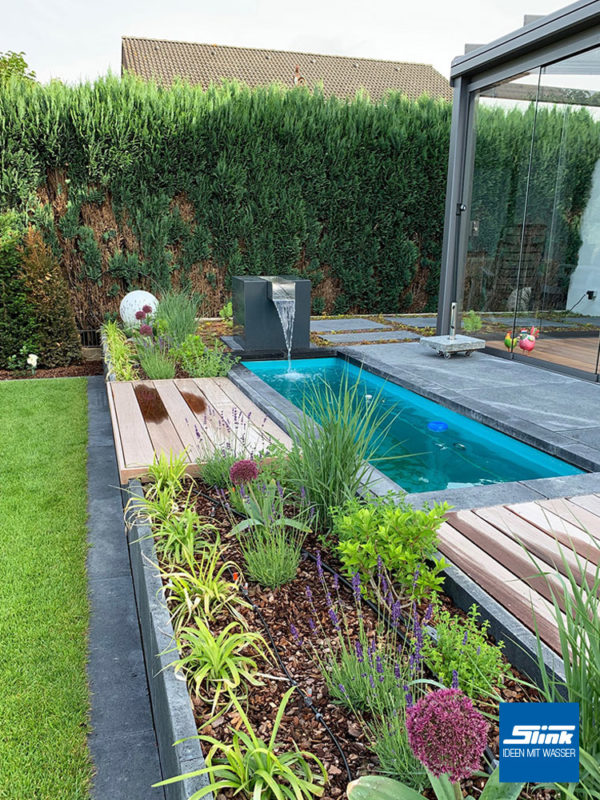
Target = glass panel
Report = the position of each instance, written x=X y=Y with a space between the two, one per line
x=504 y=129
x=558 y=306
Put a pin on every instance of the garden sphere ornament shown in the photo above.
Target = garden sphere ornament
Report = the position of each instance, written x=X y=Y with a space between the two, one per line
x=133 y=302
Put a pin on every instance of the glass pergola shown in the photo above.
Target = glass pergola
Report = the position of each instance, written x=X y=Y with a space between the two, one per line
x=521 y=253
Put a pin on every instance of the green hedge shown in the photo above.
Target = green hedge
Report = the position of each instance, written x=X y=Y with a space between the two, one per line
x=137 y=186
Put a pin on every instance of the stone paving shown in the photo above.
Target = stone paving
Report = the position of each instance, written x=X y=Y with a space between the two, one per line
x=354 y=324
x=369 y=336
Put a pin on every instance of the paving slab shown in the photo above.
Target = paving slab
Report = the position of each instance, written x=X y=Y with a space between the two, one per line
x=369 y=336
x=413 y=322
x=353 y=324
x=122 y=740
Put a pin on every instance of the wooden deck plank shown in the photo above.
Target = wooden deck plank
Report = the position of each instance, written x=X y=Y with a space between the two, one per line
x=213 y=423
x=259 y=419
x=535 y=572
x=569 y=535
x=185 y=421
x=508 y=590
x=538 y=542
x=591 y=502
x=116 y=435
x=576 y=515
x=234 y=426
x=137 y=446
x=162 y=434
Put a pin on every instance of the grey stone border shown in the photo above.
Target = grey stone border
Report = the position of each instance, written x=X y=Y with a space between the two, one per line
x=171 y=705
x=520 y=642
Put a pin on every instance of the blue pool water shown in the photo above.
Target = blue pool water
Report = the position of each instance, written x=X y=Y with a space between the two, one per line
x=444 y=450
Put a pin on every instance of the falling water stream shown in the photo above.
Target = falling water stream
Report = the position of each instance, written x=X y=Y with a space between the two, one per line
x=283 y=294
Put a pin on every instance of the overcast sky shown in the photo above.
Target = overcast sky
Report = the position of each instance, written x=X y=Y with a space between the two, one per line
x=79 y=39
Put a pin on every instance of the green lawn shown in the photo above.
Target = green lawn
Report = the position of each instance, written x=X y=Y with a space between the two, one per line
x=43 y=594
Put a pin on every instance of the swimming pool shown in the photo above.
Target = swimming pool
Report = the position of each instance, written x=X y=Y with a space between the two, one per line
x=443 y=449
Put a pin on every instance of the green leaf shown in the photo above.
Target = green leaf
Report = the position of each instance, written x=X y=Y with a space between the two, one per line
x=494 y=790
x=376 y=787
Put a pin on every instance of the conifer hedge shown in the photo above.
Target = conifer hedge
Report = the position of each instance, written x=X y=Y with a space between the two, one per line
x=138 y=186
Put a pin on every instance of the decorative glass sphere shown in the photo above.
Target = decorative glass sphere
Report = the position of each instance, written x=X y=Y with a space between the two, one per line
x=133 y=302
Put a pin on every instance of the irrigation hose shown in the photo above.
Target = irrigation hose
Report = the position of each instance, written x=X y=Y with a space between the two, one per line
x=490 y=759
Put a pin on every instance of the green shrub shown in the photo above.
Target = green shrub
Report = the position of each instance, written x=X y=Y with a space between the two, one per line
x=227 y=311
x=18 y=320
x=403 y=537
x=58 y=340
x=215 y=362
x=119 y=352
x=175 y=316
x=462 y=652
x=471 y=322
x=215 y=470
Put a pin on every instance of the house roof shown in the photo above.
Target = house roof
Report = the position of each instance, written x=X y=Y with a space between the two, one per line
x=164 y=61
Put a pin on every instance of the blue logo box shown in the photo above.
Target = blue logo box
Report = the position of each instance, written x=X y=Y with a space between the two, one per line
x=539 y=742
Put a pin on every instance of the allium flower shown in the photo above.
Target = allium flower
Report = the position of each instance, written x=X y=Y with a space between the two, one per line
x=447 y=734
x=139 y=315
x=147 y=309
x=243 y=472
x=146 y=330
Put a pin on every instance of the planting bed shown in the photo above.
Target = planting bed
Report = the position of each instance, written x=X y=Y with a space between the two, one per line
x=285 y=617
x=84 y=369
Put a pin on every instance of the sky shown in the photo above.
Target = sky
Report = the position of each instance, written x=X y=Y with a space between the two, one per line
x=77 y=39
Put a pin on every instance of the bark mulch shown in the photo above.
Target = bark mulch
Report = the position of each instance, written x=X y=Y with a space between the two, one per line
x=73 y=371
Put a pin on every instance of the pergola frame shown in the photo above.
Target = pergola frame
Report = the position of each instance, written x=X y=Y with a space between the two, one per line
x=559 y=35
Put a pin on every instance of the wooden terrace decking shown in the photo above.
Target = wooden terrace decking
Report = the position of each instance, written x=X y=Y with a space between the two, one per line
x=195 y=415
x=504 y=549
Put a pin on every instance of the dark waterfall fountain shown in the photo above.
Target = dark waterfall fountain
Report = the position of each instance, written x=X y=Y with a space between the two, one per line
x=271 y=316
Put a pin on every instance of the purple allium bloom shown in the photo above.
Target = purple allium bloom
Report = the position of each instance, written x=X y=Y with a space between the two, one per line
x=311 y=624
x=454 y=679
x=447 y=734
x=319 y=565
x=243 y=472
x=428 y=613
x=147 y=309
x=146 y=330
x=359 y=651
x=139 y=315
x=356 y=586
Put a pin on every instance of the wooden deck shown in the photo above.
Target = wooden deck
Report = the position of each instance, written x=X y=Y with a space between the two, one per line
x=578 y=352
x=195 y=415
x=505 y=548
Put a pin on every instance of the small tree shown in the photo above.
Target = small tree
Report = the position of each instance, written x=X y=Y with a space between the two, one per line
x=18 y=323
x=14 y=65
x=47 y=290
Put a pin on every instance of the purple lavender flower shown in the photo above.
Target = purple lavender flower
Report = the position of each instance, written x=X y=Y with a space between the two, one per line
x=334 y=618
x=447 y=734
x=372 y=681
x=416 y=578
x=379 y=566
x=359 y=651
x=336 y=582
x=280 y=490
x=428 y=613
x=302 y=493
x=397 y=671
x=319 y=565
x=379 y=665
x=465 y=637
x=311 y=624
x=408 y=696
x=311 y=512
x=479 y=650
x=342 y=688
x=454 y=679
x=309 y=594
x=328 y=600
x=356 y=586
x=396 y=612
x=295 y=634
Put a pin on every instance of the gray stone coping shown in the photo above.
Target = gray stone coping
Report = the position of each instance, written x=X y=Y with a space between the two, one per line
x=171 y=705
x=520 y=642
